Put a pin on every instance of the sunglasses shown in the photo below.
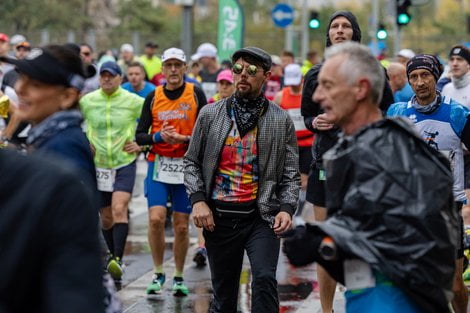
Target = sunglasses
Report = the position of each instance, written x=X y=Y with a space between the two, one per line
x=250 y=69
x=86 y=53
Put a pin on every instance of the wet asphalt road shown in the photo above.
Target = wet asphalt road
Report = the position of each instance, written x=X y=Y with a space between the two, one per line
x=298 y=288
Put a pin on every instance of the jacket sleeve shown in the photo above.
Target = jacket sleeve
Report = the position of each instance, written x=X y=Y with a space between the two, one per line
x=387 y=96
x=290 y=184
x=309 y=108
x=142 y=136
x=193 y=159
x=201 y=98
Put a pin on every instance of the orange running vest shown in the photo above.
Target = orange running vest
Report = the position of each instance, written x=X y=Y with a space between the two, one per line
x=180 y=113
x=291 y=103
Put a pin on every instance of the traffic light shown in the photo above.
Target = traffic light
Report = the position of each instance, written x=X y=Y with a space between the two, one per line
x=403 y=16
x=314 y=22
x=381 y=32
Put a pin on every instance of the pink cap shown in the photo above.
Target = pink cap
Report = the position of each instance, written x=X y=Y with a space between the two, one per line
x=225 y=75
x=4 y=37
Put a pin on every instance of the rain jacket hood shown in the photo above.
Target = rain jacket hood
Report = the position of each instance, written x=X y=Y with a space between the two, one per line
x=352 y=19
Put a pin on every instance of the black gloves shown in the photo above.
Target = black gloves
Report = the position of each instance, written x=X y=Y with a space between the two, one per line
x=301 y=245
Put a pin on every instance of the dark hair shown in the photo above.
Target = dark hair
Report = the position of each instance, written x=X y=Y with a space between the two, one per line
x=311 y=54
x=137 y=64
x=84 y=44
x=287 y=54
x=227 y=64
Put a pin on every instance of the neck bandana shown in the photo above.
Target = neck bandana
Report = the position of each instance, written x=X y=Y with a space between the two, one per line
x=247 y=112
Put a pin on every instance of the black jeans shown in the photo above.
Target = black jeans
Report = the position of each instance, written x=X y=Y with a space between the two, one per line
x=225 y=248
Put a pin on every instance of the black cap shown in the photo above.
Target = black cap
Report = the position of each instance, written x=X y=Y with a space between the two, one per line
x=43 y=66
x=151 y=44
x=259 y=54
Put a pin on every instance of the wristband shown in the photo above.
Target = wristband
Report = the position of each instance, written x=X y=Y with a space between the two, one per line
x=157 y=137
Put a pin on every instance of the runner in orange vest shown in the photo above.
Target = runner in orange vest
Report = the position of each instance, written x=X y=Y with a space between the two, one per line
x=166 y=123
x=289 y=99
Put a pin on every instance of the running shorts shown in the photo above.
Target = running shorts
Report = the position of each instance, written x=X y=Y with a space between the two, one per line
x=157 y=193
x=125 y=179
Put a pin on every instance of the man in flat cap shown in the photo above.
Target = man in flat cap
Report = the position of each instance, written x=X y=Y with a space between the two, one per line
x=443 y=123
x=241 y=174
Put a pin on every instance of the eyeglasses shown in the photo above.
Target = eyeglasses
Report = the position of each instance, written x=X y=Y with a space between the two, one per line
x=86 y=53
x=250 y=69
x=177 y=65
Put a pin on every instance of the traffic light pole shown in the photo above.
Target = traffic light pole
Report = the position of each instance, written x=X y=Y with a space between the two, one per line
x=289 y=35
x=375 y=24
x=305 y=31
x=396 y=33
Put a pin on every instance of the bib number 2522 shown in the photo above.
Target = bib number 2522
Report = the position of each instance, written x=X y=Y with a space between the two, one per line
x=168 y=170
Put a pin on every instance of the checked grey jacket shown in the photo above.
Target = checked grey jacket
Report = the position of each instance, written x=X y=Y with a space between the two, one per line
x=278 y=159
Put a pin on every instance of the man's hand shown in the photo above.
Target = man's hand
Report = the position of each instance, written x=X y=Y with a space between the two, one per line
x=322 y=123
x=131 y=147
x=169 y=135
x=202 y=216
x=282 y=223
x=93 y=149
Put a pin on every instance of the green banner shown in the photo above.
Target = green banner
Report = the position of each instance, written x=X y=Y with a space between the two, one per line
x=231 y=28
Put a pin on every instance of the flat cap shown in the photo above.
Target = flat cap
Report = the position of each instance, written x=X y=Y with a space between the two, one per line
x=259 y=54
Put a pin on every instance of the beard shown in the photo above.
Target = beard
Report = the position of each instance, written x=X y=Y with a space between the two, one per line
x=247 y=94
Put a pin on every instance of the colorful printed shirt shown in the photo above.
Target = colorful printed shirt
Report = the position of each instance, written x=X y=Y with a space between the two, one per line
x=236 y=179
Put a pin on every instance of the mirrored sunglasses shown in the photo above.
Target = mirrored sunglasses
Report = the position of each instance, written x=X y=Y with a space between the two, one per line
x=250 y=69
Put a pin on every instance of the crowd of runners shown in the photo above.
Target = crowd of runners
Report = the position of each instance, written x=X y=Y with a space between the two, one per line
x=239 y=148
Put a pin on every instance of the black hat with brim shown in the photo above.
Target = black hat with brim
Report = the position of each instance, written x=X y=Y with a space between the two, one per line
x=259 y=54
x=42 y=66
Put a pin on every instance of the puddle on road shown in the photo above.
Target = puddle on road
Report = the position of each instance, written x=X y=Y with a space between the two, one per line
x=133 y=247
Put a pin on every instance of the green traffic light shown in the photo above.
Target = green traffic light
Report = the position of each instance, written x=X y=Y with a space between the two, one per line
x=382 y=34
x=403 y=19
x=314 y=24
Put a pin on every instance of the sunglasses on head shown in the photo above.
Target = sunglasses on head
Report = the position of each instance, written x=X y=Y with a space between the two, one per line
x=250 y=69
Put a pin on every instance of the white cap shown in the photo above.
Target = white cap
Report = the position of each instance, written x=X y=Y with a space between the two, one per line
x=174 y=53
x=127 y=47
x=205 y=50
x=16 y=39
x=276 y=60
x=292 y=75
x=406 y=53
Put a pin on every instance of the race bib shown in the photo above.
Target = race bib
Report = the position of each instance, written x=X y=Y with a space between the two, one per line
x=358 y=275
x=105 y=178
x=168 y=170
x=297 y=118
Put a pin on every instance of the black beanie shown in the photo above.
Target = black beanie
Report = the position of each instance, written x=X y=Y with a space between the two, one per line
x=426 y=62
x=352 y=19
x=461 y=51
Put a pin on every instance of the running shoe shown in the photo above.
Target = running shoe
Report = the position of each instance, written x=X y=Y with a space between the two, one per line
x=157 y=283
x=115 y=268
x=179 y=287
x=200 y=257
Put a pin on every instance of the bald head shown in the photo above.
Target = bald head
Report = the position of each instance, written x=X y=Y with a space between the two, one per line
x=397 y=74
